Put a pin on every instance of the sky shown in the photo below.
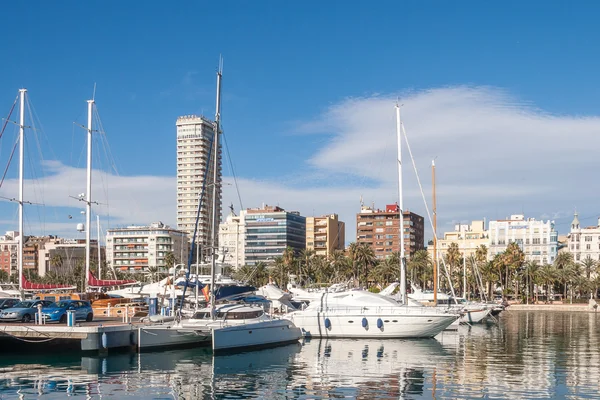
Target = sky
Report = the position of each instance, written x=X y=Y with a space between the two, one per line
x=502 y=95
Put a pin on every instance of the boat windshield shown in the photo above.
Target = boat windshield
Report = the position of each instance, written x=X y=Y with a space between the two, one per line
x=240 y=314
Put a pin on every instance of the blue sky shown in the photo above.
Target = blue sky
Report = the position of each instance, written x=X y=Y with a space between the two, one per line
x=292 y=73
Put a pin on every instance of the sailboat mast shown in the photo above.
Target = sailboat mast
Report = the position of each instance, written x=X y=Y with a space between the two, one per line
x=215 y=190
x=21 y=163
x=435 y=265
x=401 y=206
x=88 y=202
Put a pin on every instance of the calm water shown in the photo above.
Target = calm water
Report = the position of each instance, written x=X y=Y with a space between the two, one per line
x=526 y=355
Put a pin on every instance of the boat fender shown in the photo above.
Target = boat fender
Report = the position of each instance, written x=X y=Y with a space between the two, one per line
x=327 y=323
x=365 y=323
x=104 y=340
x=379 y=323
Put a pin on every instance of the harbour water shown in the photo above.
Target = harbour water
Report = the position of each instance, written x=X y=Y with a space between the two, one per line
x=527 y=354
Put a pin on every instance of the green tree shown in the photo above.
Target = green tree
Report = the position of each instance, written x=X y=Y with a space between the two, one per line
x=589 y=266
x=169 y=260
x=386 y=271
x=420 y=268
x=547 y=277
x=341 y=266
x=453 y=260
x=363 y=258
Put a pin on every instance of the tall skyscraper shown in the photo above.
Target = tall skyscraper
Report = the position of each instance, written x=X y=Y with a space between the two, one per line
x=194 y=139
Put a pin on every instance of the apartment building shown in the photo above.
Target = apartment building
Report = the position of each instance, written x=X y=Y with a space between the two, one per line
x=468 y=237
x=232 y=236
x=325 y=234
x=62 y=255
x=584 y=242
x=195 y=136
x=9 y=247
x=380 y=230
x=537 y=239
x=135 y=248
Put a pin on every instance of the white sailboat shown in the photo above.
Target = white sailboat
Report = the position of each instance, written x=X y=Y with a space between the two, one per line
x=227 y=326
x=361 y=314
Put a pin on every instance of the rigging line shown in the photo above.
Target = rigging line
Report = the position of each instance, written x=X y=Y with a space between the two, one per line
x=8 y=117
x=237 y=187
x=8 y=164
x=426 y=206
x=38 y=194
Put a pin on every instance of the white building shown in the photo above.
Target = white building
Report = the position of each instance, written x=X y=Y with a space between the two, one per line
x=135 y=248
x=468 y=237
x=537 y=239
x=584 y=242
x=231 y=239
x=194 y=139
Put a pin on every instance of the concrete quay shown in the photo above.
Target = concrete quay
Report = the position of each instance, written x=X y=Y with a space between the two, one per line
x=554 y=307
x=97 y=336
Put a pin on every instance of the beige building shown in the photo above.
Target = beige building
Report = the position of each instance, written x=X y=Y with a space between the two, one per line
x=194 y=139
x=467 y=237
x=232 y=234
x=325 y=234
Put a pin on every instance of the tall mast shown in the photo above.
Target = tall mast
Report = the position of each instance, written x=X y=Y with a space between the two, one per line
x=401 y=211
x=215 y=190
x=21 y=162
x=464 y=264
x=435 y=265
x=88 y=202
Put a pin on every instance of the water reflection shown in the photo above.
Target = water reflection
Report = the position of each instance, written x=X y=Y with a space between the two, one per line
x=526 y=355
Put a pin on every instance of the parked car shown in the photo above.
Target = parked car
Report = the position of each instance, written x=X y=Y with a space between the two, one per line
x=23 y=311
x=8 y=302
x=57 y=312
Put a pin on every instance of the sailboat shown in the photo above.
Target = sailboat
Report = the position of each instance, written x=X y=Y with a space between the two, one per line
x=24 y=284
x=228 y=326
x=362 y=314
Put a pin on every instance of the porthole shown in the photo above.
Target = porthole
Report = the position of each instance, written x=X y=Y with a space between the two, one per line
x=350 y=322
x=394 y=320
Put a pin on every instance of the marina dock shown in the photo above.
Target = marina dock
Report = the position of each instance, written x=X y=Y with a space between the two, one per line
x=98 y=336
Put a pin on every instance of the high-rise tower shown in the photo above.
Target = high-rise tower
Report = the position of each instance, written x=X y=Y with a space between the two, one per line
x=194 y=140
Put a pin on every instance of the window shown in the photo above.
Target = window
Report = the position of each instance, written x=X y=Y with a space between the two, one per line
x=588 y=238
x=588 y=246
x=578 y=256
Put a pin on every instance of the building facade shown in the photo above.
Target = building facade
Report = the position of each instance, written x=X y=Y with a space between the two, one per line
x=63 y=255
x=232 y=235
x=135 y=248
x=537 y=239
x=584 y=242
x=9 y=248
x=269 y=231
x=467 y=237
x=325 y=234
x=194 y=141
x=380 y=230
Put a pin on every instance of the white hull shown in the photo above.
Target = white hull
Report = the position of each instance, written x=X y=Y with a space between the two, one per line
x=163 y=336
x=260 y=334
x=474 y=316
x=350 y=324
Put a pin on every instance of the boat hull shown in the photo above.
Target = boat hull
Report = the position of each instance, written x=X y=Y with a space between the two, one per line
x=260 y=334
x=351 y=325
x=168 y=336
x=474 y=316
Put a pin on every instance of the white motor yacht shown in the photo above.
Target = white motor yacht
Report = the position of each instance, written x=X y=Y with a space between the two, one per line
x=362 y=314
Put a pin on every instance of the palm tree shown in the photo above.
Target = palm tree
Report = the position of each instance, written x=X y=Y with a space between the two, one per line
x=322 y=269
x=513 y=258
x=152 y=273
x=340 y=265
x=588 y=266
x=547 y=277
x=386 y=271
x=563 y=260
x=530 y=273
x=169 y=260
x=420 y=268
x=453 y=259
x=306 y=257
x=364 y=256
